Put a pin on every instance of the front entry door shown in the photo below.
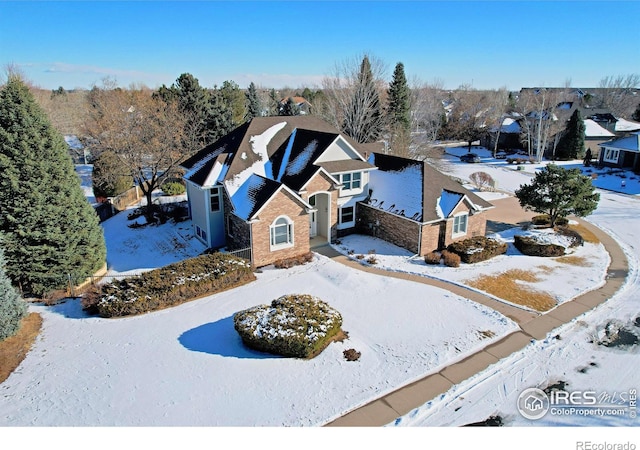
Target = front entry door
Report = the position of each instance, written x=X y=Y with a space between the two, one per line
x=313 y=224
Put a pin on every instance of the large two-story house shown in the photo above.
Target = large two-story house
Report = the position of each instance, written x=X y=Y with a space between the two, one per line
x=275 y=183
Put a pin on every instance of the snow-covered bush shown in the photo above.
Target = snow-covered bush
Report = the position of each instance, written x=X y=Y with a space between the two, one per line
x=297 y=325
x=169 y=285
x=477 y=248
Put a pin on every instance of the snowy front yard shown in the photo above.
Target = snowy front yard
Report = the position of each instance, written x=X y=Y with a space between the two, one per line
x=582 y=269
x=186 y=366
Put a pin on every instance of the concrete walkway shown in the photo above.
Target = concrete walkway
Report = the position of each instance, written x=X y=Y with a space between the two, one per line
x=533 y=326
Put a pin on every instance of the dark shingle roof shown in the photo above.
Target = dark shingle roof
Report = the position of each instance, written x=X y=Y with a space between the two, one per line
x=292 y=163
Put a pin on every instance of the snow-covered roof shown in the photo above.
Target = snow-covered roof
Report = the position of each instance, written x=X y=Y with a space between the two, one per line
x=73 y=141
x=623 y=125
x=398 y=191
x=592 y=129
x=629 y=143
x=415 y=190
x=510 y=125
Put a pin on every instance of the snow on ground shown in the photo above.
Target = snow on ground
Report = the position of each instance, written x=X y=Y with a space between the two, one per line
x=557 y=276
x=186 y=366
x=574 y=358
x=85 y=172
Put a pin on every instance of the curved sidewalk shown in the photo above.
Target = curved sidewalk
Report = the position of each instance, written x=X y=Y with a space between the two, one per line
x=533 y=326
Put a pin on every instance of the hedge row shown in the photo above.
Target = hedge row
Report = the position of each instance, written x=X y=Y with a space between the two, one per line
x=477 y=249
x=297 y=325
x=530 y=247
x=169 y=285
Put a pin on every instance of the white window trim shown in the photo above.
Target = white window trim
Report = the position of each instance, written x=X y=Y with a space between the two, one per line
x=351 y=190
x=290 y=233
x=608 y=155
x=215 y=192
x=350 y=223
x=466 y=225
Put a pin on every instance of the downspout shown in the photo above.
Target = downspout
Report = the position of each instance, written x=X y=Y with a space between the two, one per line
x=419 y=239
x=251 y=240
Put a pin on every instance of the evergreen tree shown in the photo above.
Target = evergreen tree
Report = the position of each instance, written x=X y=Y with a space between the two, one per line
x=636 y=114
x=254 y=109
x=399 y=112
x=559 y=192
x=235 y=101
x=289 y=108
x=194 y=103
x=50 y=229
x=220 y=119
x=12 y=307
x=363 y=119
x=399 y=108
x=571 y=144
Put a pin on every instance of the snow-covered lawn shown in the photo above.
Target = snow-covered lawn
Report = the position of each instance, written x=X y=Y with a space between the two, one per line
x=575 y=358
x=186 y=366
x=562 y=278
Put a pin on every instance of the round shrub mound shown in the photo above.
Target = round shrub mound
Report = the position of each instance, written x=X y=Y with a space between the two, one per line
x=531 y=247
x=477 y=248
x=543 y=220
x=297 y=325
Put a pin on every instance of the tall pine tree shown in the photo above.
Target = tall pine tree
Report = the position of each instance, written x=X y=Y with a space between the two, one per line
x=399 y=108
x=50 y=229
x=571 y=144
x=399 y=112
x=12 y=307
x=254 y=109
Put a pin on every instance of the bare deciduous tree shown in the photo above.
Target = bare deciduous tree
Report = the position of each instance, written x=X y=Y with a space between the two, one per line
x=617 y=94
x=355 y=93
x=540 y=123
x=144 y=132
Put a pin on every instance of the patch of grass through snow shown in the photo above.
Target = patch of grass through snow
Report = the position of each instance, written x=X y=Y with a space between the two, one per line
x=15 y=348
x=505 y=286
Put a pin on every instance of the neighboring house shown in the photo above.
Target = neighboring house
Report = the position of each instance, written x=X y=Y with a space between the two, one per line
x=303 y=105
x=508 y=135
x=412 y=205
x=274 y=183
x=624 y=126
x=623 y=153
x=594 y=135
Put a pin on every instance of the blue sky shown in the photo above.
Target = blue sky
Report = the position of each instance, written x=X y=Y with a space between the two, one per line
x=296 y=43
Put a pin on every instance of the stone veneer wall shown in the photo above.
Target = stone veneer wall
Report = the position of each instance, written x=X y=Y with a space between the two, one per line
x=391 y=228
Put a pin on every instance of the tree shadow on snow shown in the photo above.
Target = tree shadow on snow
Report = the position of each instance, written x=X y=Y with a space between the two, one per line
x=71 y=309
x=219 y=338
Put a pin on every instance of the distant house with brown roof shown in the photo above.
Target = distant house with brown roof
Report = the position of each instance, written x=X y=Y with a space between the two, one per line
x=304 y=107
x=274 y=183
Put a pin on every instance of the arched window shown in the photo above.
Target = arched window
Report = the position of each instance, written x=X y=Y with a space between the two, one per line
x=281 y=233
